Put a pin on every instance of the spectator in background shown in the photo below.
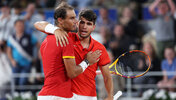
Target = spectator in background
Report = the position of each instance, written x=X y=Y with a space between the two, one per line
x=4 y=21
x=51 y=3
x=104 y=20
x=155 y=62
x=41 y=3
x=23 y=3
x=5 y=73
x=120 y=42
x=130 y=24
x=155 y=66
x=15 y=14
x=30 y=18
x=106 y=35
x=80 y=4
x=168 y=65
x=105 y=2
x=20 y=48
x=163 y=24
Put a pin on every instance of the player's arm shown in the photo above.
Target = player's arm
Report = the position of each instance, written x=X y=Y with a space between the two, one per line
x=153 y=6
x=74 y=70
x=48 y=28
x=40 y=26
x=172 y=6
x=107 y=81
x=9 y=54
x=45 y=27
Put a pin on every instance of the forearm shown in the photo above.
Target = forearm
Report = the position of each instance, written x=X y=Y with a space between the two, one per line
x=9 y=54
x=172 y=6
x=109 y=86
x=27 y=16
x=153 y=6
x=10 y=58
x=41 y=25
x=76 y=71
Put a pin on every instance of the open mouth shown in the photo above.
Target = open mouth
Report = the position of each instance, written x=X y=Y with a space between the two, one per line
x=83 y=32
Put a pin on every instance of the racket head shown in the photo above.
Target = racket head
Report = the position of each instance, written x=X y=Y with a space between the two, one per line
x=131 y=64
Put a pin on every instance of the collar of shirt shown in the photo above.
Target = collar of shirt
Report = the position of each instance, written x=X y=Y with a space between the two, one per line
x=78 y=42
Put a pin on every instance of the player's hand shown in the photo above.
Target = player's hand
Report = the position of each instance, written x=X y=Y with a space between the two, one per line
x=93 y=57
x=61 y=37
x=13 y=63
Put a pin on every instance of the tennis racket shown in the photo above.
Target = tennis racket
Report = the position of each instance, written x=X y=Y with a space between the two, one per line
x=130 y=64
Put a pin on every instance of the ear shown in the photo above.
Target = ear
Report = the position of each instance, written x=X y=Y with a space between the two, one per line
x=77 y=24
x=60 y=20
x=94 y=27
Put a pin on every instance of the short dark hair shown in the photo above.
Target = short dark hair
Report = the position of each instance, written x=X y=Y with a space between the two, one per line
x=19 y=20
x=169 y=47
x=61 y=11
x=88 y=14
x=104 y=7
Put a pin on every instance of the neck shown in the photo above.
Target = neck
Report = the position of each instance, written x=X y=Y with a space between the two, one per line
x=19 y=34
x=170 y=61
x=85 y=42
x=61 y=27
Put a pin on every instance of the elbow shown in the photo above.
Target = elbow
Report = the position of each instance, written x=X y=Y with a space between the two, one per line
x=107 y=78
x=71 y=75
x=151 y=10
x=36 y=25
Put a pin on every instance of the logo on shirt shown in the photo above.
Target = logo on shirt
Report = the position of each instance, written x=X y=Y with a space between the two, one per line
x=25 y=42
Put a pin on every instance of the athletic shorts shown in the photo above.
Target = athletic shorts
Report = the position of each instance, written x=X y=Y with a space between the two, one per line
x=80 y=97
x=75 y=97
x=53 y=98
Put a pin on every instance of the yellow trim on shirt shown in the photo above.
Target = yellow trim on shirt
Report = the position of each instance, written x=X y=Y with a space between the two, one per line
x=68 y=57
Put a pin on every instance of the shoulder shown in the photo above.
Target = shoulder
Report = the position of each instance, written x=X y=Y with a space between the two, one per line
x=98 y=45
x=175 y=60
x=71 y=34
x=50 y=39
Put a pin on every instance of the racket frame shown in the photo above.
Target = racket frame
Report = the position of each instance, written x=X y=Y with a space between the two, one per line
x=116 y=71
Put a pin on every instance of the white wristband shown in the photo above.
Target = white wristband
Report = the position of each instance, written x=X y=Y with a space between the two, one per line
x=84 y=65
x=50 y=28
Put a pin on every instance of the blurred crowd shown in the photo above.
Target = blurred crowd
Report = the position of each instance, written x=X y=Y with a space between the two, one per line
x=20 y=41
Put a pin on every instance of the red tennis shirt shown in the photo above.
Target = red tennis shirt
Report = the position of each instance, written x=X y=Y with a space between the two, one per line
x=84 y=84
x=56 y=83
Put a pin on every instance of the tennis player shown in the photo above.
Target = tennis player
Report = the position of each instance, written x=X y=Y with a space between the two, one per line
x=59 y=62
x=83 y=86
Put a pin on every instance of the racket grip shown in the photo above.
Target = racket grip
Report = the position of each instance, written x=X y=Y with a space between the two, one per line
x=117 y=95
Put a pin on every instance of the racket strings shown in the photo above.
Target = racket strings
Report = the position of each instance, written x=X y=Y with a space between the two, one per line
x=132 y=64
